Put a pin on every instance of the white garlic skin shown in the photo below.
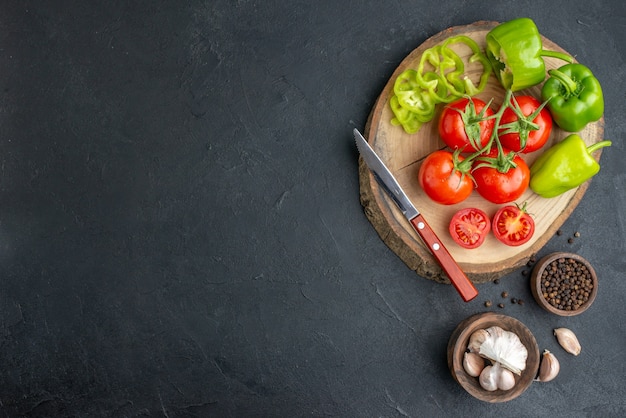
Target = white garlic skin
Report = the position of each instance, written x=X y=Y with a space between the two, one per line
x=549 y=367
x=567 y=339
x=473 y=364
x=506 y=348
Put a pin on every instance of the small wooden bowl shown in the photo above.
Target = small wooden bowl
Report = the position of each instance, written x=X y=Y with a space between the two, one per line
x=457 y=345
x=536 y=281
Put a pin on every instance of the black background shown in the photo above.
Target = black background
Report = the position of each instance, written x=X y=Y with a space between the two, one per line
x=180 y=226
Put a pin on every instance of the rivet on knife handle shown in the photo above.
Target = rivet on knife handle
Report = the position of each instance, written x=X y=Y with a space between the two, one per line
x=457 y=277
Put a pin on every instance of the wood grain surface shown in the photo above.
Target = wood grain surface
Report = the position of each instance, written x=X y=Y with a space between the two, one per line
x=403 y=154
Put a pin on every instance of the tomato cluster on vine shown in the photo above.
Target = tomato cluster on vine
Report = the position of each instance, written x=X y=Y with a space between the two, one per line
x=484 y=149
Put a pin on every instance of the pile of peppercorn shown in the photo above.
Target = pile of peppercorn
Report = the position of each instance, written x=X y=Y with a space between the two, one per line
x=566 y=284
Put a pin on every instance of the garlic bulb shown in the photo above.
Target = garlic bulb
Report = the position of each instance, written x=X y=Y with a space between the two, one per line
x=568 y=340
x=549 y=367
x=473 y=364
x=496 y=377
x=506 y=348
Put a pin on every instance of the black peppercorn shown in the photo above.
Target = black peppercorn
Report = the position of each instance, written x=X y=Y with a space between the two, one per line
x=566 y=284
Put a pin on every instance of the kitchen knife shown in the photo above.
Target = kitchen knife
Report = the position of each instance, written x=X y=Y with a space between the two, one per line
x=388 y=182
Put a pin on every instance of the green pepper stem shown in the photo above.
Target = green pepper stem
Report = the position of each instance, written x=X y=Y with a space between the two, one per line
x=570 y=85
x=598 y=145
x=556 y=54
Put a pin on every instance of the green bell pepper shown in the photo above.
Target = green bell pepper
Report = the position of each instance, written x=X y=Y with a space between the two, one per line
x=515 y=50
x=575 y=97
x=564 y=166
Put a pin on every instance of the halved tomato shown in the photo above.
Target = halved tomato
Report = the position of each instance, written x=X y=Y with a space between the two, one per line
x=513 y=226
x=469 y=227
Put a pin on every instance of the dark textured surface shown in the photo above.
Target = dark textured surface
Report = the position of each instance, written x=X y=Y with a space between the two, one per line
x=180 y=229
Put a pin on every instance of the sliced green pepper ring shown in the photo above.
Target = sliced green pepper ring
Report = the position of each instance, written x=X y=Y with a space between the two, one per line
x=404 y=117
x=427 y=79
x=412 y=97
x=439 y=87
x=469 y=88
x=438 y=79
x=417 y=101
x=406 y=81
x=452 y=78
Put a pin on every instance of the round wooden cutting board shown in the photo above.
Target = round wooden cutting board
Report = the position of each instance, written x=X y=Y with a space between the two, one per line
x=403 y=154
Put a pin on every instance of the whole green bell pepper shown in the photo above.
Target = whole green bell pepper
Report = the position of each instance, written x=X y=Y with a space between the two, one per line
x=575 y=97
x=564 y=166
x=515 y=50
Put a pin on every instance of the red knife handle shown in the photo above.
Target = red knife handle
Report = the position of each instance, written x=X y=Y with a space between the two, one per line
x=459 y=280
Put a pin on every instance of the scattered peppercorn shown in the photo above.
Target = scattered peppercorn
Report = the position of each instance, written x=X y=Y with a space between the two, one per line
x=500 y=305
x=570 y=240
x=514 y=300
x=520 y=302
x=577 y=234
x=505 y=294
x=566 y=284
x=559 y=232
x=533 y=258
x=496 y=281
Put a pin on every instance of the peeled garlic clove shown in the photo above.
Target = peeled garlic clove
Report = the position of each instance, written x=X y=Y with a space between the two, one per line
x=568 y=340
x=549 y=367
x=477 y=338
x=473 y=364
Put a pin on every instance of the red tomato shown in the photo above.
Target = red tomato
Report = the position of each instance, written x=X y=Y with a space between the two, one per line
x=469 y=227
x=535 y=139
x=459 y=118
x=441 y=179
x=499 y=187
x=513 y=226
